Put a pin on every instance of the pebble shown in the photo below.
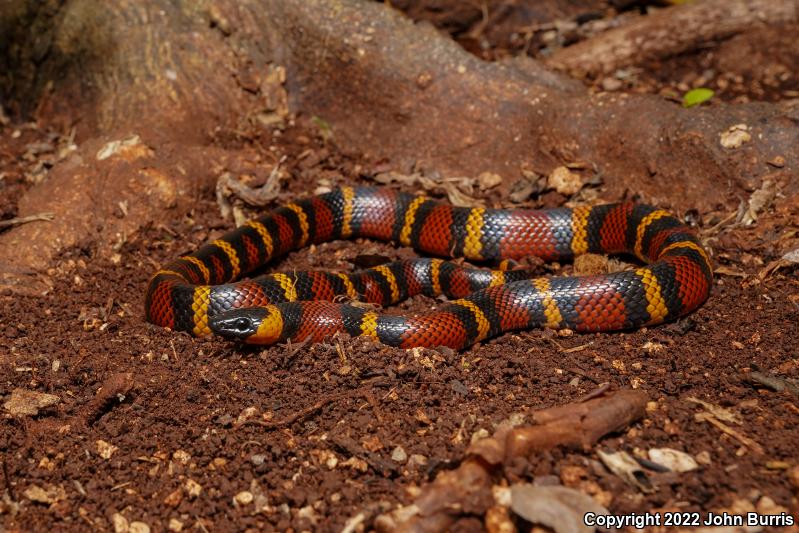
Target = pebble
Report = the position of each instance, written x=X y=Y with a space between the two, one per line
x=735 y=136
x=139 y=527
x=703 y=457
x=181 y=456
x=105 y=449
x=120 y=523
x=459 y=387
x=793 y=476
x=193 y=489
x=175 y=525
x=399 y=455
x=258 y=459
x=417 y=460
x=224 y=420
x=564 y=181
x=244 y=497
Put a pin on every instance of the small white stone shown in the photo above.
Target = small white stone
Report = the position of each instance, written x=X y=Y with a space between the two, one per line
x=120 y=523
x=181 y=456
x=244 y=497
x=735 y=136
x=105 y=449
x=139 y=527
x=564 y=181
x=193 y=489
x=399 y=455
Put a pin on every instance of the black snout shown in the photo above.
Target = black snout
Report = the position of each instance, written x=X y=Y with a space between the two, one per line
x=237 y=323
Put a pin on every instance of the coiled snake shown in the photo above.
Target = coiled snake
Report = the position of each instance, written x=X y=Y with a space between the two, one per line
x=194 y=293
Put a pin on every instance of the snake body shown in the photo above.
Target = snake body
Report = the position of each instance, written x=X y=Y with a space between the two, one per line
x=194 y=293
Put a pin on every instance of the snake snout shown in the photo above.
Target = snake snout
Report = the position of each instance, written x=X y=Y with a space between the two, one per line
x=238 y=324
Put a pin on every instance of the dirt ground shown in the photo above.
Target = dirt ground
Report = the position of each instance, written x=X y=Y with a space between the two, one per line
x=159 y=430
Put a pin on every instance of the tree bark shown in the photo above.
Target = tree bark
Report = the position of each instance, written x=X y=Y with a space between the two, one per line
x=669 y=32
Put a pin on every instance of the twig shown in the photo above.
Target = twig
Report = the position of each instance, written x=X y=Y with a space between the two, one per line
x=303 y=412
x=575 y=349
x=743 y=439
x=289 y=358
x=576 y=425
x=385 y=468
x=596 y=393
x=18 y=221
x=589 y=377
x=7 y=481
x=715 y=229
x=773 y=382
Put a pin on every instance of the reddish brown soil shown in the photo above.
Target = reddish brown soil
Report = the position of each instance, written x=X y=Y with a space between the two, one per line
x=182 y=455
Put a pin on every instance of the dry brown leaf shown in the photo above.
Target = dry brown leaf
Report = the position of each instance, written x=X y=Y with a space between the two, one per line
x=674 y=460
x=488 y=180
x=459 y=190
x=623 y=465
x=759 y=201
x=227 y=187
x=728 y=271
x=27 y=402
x=788 y=259
x=559 y=508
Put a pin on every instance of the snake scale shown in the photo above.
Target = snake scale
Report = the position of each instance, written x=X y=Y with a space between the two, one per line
x=197 y=292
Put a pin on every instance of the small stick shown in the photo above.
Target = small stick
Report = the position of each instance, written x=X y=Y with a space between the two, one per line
x=303 y=412
x=295 y=350
x=596 y=393
x=18 y=221
x=8 y=481
x=589 y=377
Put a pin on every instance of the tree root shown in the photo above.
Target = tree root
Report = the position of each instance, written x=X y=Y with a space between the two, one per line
x=467 y=489
x=669 y=32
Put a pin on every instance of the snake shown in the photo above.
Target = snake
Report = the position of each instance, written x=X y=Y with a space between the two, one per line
x=202 y=292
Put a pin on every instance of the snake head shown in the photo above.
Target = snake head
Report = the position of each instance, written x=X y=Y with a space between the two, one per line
x=252 y=325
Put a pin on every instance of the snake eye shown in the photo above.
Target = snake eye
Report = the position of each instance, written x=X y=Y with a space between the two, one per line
x=243 y=324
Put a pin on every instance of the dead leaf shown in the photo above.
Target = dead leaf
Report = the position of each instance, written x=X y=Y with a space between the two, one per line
x=674 y=460
x=27 y=402
x=623 y=465
x=130 y=149
x=227 y=187
x=559 y=508
x=759 y=201
x=788 y=259
x=729 y=271
x=459 y=190
x=588 y=264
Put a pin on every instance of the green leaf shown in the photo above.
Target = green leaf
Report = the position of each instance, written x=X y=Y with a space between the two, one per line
x=324 y=128
x=696 y=96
